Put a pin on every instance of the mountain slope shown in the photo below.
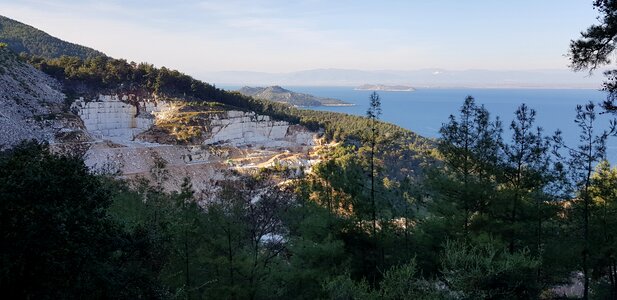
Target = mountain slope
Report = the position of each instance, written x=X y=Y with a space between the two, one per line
x=279 y=94
x=27 y=39
x=31 y=104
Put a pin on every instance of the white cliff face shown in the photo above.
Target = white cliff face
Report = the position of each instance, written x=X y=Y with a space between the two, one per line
x=110 y=118
x=245 y=128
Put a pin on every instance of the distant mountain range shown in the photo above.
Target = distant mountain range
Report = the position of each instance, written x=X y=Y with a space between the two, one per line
x=279 y=94
x=434 y=78
x=27 y=39
x=24 y=38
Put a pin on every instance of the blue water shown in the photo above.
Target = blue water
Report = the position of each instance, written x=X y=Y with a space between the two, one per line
x=425 y=110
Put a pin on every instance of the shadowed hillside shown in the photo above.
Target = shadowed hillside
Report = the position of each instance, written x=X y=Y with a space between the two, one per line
x=23 y=38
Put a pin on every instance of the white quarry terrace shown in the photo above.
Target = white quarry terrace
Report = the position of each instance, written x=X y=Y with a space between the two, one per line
x=245 y=128
x=110 y=117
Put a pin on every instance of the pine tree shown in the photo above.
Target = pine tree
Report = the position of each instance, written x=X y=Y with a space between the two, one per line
x=526 y=162
x=582 y=160
x=465 y=187
x=373 y=113
x=603 y=192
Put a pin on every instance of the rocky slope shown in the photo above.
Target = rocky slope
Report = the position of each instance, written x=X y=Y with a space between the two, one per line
x=31 y=105
x=279 y=94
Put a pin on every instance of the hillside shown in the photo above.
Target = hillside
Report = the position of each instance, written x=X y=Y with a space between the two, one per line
x=23 y=38
x=128 y=117
x=131 y=132
x=31 y=104
x=281 y=95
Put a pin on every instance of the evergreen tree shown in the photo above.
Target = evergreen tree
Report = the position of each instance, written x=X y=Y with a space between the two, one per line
x=582 y=160
x=464 y=187
x=485 y=270
x=373 y=113
x=58 y=238
x=603 y=192
x=526 y=163
x=596 y=45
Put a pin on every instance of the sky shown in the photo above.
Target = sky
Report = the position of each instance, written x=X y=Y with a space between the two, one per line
x=199 y=36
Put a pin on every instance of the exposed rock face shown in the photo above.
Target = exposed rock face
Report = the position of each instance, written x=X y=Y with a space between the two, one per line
x=31 y=105
x=239 y=128
x=110 y=118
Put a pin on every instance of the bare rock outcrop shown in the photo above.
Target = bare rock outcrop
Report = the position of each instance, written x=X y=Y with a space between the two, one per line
x=31 y=104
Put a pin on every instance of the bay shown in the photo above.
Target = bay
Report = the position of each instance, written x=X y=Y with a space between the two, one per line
x=425 y=110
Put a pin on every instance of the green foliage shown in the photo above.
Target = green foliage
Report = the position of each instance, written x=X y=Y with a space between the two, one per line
x=581 y=160
x=596 y=45
x=399 y=282
x=603 y=192
x=488 y=271
x=22 y=38
x=59 y=241
x=464 y=187
x=344 y=288
x=317 y=252
x=404 y=282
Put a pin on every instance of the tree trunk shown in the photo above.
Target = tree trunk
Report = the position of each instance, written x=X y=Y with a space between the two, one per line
x=186 y=264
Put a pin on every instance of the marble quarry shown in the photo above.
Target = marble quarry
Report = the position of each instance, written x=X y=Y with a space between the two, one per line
x=109 y=118
x=246 y=128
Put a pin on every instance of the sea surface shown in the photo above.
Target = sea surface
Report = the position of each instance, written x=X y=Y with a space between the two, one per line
x=425 y=110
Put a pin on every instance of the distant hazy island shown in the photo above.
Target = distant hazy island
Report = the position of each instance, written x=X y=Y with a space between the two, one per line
x=279 y=94
x=387 y=88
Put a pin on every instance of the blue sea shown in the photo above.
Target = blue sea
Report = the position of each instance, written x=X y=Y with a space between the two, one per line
x=425 y=110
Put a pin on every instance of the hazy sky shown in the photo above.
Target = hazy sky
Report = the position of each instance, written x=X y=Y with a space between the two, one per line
x=278 y=36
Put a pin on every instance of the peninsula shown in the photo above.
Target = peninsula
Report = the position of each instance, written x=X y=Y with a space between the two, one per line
x=279 y=94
